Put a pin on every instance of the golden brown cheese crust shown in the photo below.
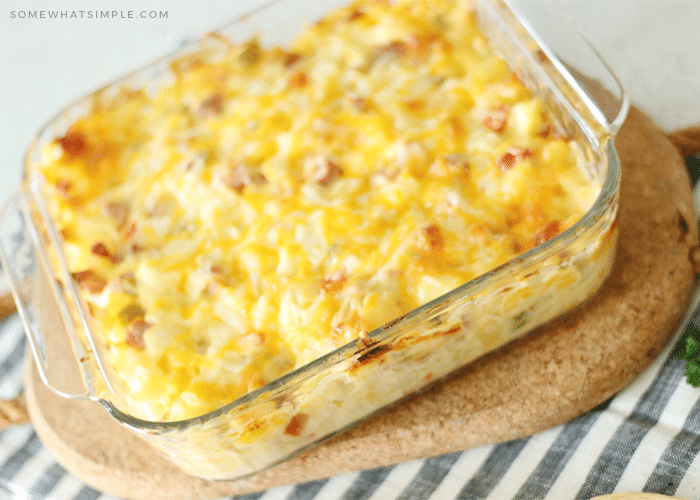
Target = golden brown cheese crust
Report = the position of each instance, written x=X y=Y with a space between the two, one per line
x=267 y=206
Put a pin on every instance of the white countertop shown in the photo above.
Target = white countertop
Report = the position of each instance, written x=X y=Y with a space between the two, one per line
x=47 y=63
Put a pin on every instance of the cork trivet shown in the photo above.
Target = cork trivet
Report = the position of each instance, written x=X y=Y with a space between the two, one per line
x=542 y=380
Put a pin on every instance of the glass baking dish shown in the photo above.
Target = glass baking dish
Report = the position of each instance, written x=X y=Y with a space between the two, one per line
x=306 y=406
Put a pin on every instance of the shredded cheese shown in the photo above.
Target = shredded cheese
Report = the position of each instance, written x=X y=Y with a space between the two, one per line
x=269 y=205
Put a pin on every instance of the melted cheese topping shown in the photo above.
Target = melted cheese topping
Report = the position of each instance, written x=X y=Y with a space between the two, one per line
x=268 y=206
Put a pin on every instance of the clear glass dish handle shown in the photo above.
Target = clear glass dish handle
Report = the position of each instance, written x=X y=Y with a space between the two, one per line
x=38 y=303
x=566 y=47
x=12 y=411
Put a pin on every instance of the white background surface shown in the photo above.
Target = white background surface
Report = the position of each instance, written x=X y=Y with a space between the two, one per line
x=652 y=45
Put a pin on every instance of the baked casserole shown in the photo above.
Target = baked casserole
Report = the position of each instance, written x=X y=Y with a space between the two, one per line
x=267 y=206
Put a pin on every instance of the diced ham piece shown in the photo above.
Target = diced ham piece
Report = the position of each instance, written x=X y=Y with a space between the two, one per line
x=511 y=156
x=239 y=176
x=134 y=335
x=497 y=119
x=119 y=211
x=291 y=58
x=235 y=178
x=430 y=238
x=325 y=171
x=296 y=424
x=546 y=232
x=63 y=186
x=355 y=14
x=73 y=143
x=211 y=106
x=90 y=281
x=100 y=249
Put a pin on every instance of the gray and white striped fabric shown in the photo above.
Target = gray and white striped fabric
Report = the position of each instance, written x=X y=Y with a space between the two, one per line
x=646 y=438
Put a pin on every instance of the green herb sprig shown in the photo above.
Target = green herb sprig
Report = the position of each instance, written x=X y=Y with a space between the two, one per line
x=689 y=350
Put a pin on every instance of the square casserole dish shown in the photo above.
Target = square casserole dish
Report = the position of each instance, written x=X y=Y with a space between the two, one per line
x=310 y=403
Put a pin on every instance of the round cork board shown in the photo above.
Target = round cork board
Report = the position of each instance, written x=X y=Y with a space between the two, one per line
x=540 y=381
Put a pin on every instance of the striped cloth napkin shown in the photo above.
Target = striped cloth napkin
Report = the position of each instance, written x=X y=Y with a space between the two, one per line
x=646 y=438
